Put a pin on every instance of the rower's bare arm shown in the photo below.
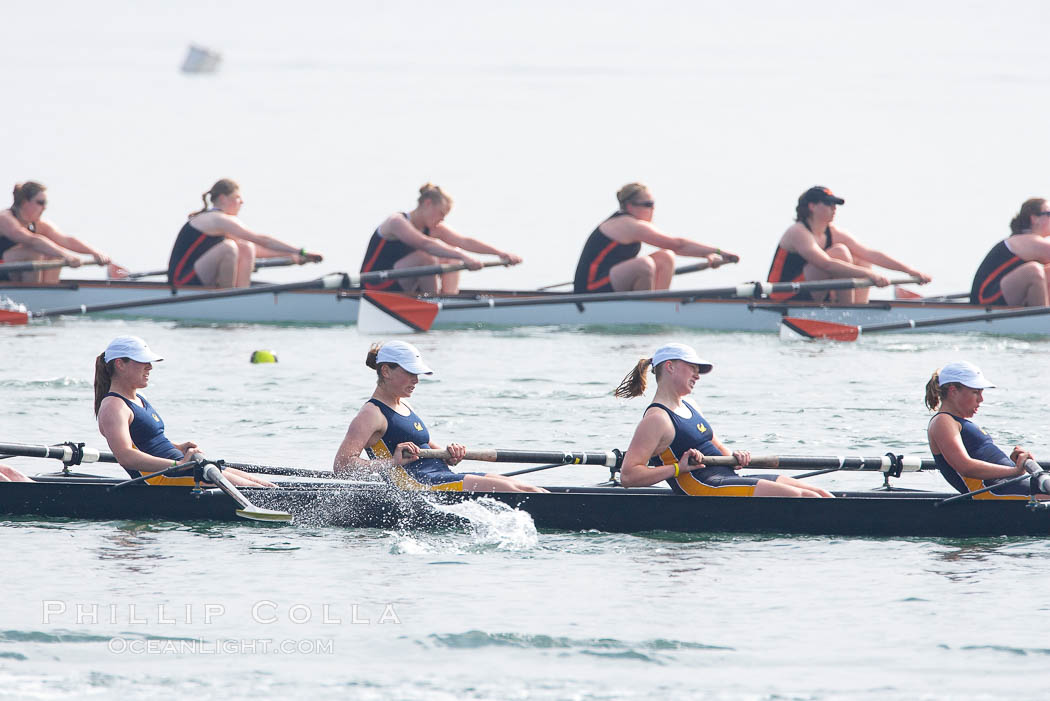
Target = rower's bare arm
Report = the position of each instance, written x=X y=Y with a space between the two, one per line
x=798 y=239
x=364 y=430
x=403 y=231
x=454 y=238
x=654 y=430
x=13 y=229
x=1032 y=247
x=877 y=257
x=946 y=436
x=233 y=226
x=72 y=243
x=647 y=233
x=114 y=421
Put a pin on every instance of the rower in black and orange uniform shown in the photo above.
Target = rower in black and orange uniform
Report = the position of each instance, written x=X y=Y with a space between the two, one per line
x=610 y=262
x=391 y=433
x=1016 y=272
x=26 y=236
x=130 y=424
x=214 y=248
x=420 y=237
x=814 y=249
x=673 y=436
x=964 y=453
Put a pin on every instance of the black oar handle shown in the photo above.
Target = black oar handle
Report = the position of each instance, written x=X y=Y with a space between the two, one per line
x=610 y=458
x=882 y=463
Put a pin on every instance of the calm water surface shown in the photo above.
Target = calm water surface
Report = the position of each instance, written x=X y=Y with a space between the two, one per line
x=926 y=117
x=499 y=610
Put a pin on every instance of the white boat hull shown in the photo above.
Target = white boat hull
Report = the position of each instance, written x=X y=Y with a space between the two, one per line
x=328 y=307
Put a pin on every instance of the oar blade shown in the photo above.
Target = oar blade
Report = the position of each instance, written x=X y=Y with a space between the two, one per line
x=904 y=293
x=388 y=313
x=267 y=515
x=812 y=328
x=10 y=317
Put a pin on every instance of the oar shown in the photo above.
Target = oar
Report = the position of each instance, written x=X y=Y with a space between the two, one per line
x=22 y=266
x=680 y=270
x=393 y=313
x=259 y=264
x=609 y=458
x=881 y=463
x=75 y=454
x=902 y=293
x=211 y=472
x=328 y=282
x=812 y=328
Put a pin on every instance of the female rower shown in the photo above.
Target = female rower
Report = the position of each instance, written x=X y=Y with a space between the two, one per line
x=813 y=249
x=419 y=237
x=673 y=436
x=26 y=236
x=215 y=249
x=610 y=261
x=130 y=424
x=391 y=433
x=1016 y=272
x=964 y=453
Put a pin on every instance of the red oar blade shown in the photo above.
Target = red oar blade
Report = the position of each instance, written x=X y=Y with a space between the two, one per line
x=13 y=318
x=903 y=293
x=811 y=328
x=385 y=312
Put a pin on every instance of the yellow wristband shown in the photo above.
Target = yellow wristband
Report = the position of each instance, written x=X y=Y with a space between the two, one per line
x=676 y=469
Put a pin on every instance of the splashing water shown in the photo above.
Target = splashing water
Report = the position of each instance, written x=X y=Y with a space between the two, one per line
x=490 y=525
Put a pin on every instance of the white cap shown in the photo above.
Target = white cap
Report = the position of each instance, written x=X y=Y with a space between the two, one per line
x=680 y=351
x=404 y=354
x=130 y=347
x=966 y=374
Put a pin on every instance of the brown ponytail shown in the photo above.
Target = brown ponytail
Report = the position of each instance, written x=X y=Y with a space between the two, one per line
x=933 y=392
x=633 y=385
x=103 y=378
x=435 y=194
x=371 y=361
x=1022 y=222
x=221 y=187
x=26 y=191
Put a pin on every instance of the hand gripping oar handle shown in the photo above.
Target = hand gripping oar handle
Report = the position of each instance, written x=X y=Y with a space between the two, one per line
x=401 y=273
x=609 y=458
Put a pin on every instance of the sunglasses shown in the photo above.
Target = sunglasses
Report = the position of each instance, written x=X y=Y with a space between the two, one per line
x=1042 y=214
x=648 y=204
x=42 y=203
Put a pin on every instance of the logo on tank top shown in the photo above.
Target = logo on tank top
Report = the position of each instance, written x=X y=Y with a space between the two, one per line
x=418 y=426
x=156 y=418
x=701 y=428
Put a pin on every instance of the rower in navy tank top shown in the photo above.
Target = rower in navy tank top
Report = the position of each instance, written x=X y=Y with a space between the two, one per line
x=391 y=434
x=673 y=437
x=964 y=453
x=147 y=429
x=427 y=473
x=696 y=432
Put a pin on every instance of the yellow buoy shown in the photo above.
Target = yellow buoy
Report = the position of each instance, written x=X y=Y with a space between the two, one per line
x=264 y=356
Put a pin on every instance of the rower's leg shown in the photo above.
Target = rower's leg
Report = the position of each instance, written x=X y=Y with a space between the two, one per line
x=496 y=483
x=766 y=488
x=858 y=296
x=449 y=281
x=10 y=474
x=426 y=284
x=239 y=478
x=245 y=263
x=218 y=267
x=663 y=262
x=1026 y=285
x=634 y=274
x=792 y=482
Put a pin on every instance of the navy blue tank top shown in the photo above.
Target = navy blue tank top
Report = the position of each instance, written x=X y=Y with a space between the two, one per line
x=979 y=446
x=147 y=430
x=402 y=429
x=381 y=254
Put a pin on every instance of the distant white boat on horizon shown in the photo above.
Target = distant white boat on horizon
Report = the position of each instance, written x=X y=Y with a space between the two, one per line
x=201 y=60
